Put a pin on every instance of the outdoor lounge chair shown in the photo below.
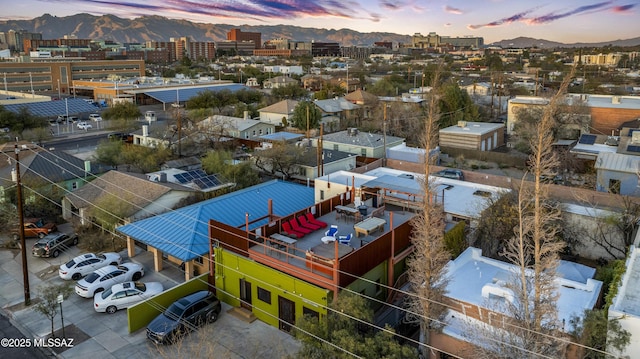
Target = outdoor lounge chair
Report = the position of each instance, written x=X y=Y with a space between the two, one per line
x=313 y=220
x=332 y=231
x=304 y=223
x=345 y=239
x=289 y=231
x=296 y=227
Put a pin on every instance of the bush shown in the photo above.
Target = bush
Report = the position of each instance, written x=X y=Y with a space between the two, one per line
x=455 y=240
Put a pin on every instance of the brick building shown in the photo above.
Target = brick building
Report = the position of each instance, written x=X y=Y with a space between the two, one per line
x=240 y=36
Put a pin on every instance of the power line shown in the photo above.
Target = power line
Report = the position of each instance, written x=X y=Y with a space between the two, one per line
x=342 y=272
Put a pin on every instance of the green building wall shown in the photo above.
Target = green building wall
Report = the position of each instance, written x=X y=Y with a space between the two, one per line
x=231 y=268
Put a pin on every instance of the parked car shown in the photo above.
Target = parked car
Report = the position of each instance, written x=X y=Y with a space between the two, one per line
x=105 y=277
x=124 y=295
x=95 y=117
x=118 y=136
x=184 y=315
x=86 y=263
x=35 y=227
x=451 y=173
x=52 y=244
x=84 y=126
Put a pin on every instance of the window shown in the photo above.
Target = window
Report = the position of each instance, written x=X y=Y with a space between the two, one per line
x=74 y=185
x=363 y=152
x=310 y=312
x=199 y=260
x=264 y=295
x=260 y=132
x=335 y=147
x=614 y=186
x=321 y=195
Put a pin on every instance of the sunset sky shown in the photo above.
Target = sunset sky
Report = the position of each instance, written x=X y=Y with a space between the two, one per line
x=566 y=21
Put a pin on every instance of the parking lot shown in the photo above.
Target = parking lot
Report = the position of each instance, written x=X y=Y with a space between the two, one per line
x=101 y=335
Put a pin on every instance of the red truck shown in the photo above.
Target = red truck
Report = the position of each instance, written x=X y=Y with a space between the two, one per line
x=36 y=227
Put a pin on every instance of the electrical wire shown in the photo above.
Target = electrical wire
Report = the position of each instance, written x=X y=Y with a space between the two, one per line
x=364 y=279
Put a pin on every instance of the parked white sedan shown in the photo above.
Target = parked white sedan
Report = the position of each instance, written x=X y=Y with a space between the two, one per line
x=124 y=295
x=84 y=264
x=105 y=277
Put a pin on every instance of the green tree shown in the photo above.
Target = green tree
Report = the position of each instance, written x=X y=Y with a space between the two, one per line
x=109 y=153
x=347 y=332
x=456 y=105
x=595 y=330
x=306 y=114
x=390 y=86
x=221 y=162
x=49 y=306
x=292 y=91
x=124 y=114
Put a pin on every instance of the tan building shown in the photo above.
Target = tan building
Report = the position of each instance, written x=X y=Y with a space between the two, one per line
x=481 y=136
x=59 y=76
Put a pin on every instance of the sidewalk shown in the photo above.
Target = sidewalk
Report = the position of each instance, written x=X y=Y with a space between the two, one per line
x=101 y=335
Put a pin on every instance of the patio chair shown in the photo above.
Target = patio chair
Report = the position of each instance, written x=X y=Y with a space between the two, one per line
x=345 y=239
x=304 y=223
x=311 y=219
x=289 y=231
x=296 y=227
x=332 y=231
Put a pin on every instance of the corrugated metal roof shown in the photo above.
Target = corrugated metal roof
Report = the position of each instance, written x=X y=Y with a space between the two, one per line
x=617 y=162
x=184 y=233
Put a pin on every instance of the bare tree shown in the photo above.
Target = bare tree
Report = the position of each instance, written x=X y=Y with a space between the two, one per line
x=427 y=273
x=49 y=304
x=530 y=325
x=280 y=160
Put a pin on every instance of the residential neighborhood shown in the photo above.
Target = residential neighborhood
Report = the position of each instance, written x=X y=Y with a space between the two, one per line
x=440 y=197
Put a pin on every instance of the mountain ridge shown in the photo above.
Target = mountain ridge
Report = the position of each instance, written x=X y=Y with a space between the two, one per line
x=159 y=28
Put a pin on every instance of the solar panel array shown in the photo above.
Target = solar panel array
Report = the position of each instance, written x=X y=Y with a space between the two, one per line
x=75 y=106
x=632 y=148
x=198 y=177
x=185 y=94
x=189 y=176
x=587 y=139
x=209 y=181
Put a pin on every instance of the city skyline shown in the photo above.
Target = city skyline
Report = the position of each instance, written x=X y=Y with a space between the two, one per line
x=494 y=20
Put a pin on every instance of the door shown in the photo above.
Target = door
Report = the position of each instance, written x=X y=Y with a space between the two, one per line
x=286 y=313
x=245 y=294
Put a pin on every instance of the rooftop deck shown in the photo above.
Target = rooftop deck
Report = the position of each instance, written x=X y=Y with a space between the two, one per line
x=311 y=254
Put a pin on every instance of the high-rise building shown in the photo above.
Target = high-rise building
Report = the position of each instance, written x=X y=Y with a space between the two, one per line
x=240 y=36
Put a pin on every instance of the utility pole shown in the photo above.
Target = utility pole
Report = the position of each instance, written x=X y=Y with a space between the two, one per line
x=308 y=121
x=384 y=136
x=25 y=269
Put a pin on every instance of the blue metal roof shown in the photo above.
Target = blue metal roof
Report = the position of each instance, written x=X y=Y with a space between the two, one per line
x=281 y=136
x=184 y=233
x=186 y=93
x=76 y=106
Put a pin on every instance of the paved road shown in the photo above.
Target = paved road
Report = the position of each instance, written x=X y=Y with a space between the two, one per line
x=8 y=331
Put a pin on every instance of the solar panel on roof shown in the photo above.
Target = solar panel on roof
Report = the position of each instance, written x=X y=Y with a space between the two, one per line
x=189 y=176
x=587 y=139
x=73 y=106
x=186 y=93
x=209 y=181
x=632 y=148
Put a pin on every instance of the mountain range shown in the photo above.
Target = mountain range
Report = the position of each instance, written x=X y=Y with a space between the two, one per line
x=158 y=28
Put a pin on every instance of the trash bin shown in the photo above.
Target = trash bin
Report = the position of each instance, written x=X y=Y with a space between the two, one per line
x=363 y=210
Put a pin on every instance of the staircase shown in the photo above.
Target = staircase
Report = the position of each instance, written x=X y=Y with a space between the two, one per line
x=242 y=314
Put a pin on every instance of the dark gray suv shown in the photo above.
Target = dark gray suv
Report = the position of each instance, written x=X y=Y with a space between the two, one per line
x=184 y=315
x=52 y=244
x=451 y=173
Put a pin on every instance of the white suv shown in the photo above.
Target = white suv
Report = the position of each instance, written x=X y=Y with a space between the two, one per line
x=84 y=126
x=95 y=117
